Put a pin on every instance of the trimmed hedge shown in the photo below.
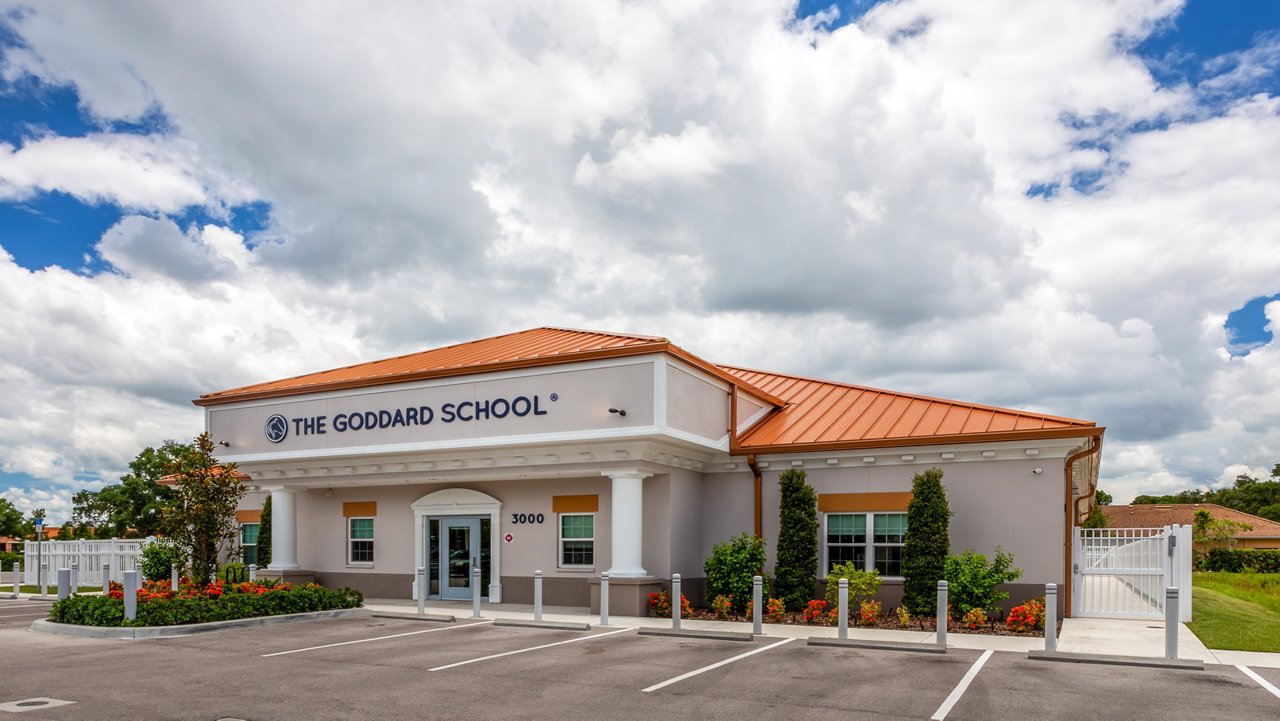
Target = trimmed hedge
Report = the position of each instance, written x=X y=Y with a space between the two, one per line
x=232 y=604
x=1250 y=560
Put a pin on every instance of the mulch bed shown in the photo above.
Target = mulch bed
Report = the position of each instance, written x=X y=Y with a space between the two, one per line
x=993 y=627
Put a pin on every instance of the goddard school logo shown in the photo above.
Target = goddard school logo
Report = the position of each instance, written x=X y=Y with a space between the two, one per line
x=277 y=428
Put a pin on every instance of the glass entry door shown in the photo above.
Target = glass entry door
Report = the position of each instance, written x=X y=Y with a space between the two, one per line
x=459 y=552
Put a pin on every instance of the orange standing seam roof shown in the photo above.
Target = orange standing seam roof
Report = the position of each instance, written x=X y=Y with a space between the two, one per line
x=828 y=415
x=808 y=413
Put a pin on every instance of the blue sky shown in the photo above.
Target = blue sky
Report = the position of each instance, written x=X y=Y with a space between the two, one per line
x=366 y=206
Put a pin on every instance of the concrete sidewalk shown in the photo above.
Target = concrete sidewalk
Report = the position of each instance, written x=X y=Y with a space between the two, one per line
x=1111 y=637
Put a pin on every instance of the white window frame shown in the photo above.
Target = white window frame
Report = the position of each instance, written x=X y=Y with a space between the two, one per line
x=869 y=559
x=361 y=564
x=244 y=545
x=560 y=539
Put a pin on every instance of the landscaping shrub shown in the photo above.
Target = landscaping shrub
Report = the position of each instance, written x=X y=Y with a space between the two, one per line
x=732 y=565
x=927 y=543
x=1245 y=560
x=868 y=612
x=975 y=618
x=264 y=534
x=7 y=559
x=157 y=558
x=972 y=580
x=796 y=566
x=816 y=612
x=722 y=606
x=1027 y=617
x=904 y=616
x=862 y=584
x=660 y=605
x=158 y=605
x=775 y=611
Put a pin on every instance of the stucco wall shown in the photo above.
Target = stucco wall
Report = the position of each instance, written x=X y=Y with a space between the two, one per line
x=696 y=405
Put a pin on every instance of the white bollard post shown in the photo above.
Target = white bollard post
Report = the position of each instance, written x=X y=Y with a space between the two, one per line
x=253 y=572
x=537 y=596
x=17 y=579
x=1171 y=622
x=1051 y=617
x=422 y=590
x=64 y=583
x=131 y=595
x=475 y=592
x=604 y=599
x=675 y=601
x=757 y=614
x=75 y=576
x=844 y=608
x=106 y=578
x=173 y=578
x=942 y=613
x=44 y=579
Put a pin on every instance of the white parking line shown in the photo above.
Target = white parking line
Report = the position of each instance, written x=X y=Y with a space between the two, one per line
x=527 y=650
x=960 y=688
x=1261 y=681
x=22 y=615
x=377 y=638
x=6 y=607
x=716 y=665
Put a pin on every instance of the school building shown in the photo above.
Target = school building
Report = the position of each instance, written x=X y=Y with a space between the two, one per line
x=577 y=452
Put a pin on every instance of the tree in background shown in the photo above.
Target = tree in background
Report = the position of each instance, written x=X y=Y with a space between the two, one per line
x=1103 y=498
x=264 y=535
x=12 y=523
x=202 y=517
x=1213 y=532
x=1250 y=495
x=796 y=565
x=1096 y=519
x=928 y=541
x=131 y=508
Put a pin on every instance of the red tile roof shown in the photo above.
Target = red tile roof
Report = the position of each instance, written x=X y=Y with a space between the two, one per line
x=839 y=415
x=1156 y=515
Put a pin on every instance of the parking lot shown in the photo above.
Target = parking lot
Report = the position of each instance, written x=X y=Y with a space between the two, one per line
x=392 y=668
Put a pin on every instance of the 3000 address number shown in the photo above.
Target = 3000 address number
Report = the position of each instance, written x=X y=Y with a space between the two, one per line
x=527 y=518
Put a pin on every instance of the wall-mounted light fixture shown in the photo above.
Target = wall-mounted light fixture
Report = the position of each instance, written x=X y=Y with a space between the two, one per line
x=224 y=444
x=328 y=492
x=619 y=411
x=1037 y=471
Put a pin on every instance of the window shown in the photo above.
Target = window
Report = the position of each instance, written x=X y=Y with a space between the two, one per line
x=249 y=543
x=359 y=540
x=881 y=550
x=577 y=540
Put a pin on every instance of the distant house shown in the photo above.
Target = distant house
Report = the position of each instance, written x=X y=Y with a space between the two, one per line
x=10 y=545
x=1264 y=534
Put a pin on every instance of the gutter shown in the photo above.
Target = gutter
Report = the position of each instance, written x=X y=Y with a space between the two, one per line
x=1095 y=446
x=759 y=494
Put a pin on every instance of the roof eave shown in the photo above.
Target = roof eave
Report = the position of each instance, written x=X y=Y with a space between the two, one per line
x=993 y=437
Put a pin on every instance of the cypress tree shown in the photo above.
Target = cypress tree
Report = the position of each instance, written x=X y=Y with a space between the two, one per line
x=924 y=554
x=264 y=535
x=796 y=566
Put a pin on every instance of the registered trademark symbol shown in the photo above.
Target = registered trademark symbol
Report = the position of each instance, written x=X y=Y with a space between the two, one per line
x=555 y=396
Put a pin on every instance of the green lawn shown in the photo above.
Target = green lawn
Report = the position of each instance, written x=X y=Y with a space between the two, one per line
x=7 y=588
x=1237 y=611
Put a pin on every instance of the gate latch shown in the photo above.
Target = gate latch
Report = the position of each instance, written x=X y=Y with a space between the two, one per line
x=1075 y=568
x=1173 y=541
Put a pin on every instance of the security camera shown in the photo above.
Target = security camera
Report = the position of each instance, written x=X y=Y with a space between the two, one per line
x=1037 y=471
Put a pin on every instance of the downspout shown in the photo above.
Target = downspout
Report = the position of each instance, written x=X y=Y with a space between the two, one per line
x=1069 y=511
x=755 y=469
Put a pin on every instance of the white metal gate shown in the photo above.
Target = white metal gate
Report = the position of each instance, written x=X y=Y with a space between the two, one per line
x=1123 y=572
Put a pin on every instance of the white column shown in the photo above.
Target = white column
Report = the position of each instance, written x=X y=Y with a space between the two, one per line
x=284 y=528
x=627 y=517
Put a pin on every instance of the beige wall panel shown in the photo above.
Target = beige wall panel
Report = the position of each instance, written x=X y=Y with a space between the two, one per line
x=994 y=503
x=728 y=507
x=747 y=407
x=687 y=547
x=584 y=398
x=656 y=554
x=322 y=530
x=695 y=405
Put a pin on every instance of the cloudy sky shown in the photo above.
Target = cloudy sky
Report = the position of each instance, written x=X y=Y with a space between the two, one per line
x=1070 y=206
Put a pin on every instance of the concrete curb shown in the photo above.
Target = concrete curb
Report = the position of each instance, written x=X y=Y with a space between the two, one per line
x=1182 y=664
x=878 y=645
x=134 y=632
x=556 y=625
x=693 y=633
x=415 y=617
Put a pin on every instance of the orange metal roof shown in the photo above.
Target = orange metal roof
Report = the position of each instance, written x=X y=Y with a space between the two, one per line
x=1155 y=515
x=535 y=347
x=828 y=415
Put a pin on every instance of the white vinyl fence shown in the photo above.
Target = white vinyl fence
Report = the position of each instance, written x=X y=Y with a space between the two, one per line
x=1123 y=572
x=122 y=555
